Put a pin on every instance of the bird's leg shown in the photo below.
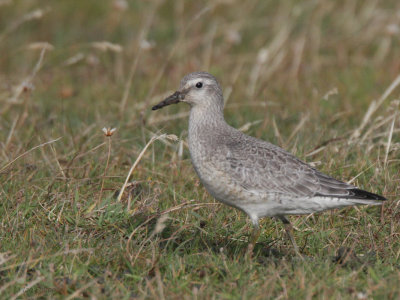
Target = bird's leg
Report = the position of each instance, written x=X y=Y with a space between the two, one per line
x=254 y=236
x=289 y=230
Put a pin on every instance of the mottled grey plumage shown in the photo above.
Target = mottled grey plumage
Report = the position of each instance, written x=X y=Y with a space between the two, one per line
x=252 y=175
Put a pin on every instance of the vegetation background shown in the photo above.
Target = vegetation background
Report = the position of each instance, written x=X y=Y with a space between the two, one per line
x=319 y=78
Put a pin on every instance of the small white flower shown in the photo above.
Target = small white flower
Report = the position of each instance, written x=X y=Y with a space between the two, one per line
x=109 y=131
x=27 y=86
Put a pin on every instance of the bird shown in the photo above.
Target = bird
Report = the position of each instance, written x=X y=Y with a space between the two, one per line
x=253 y=175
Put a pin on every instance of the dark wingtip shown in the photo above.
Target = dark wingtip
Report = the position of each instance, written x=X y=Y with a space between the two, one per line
x=357 y=194
x=361 y=194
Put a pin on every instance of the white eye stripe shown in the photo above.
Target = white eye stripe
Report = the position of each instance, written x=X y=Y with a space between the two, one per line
x=193 y=82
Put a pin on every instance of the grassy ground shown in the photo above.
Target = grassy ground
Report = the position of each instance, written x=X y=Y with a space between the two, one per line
x=302 y=75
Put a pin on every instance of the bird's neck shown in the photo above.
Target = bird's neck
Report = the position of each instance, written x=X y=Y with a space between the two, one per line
x=205 y=128
x=204 y=119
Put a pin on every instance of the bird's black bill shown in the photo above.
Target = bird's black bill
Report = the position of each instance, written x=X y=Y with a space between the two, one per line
x=173 y=99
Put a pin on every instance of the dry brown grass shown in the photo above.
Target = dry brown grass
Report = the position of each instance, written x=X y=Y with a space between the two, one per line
x=320 y=78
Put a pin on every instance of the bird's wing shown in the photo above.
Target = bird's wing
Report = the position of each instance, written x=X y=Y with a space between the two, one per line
x=260 y=166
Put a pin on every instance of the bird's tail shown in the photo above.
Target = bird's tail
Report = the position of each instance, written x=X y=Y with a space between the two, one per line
x=360 y=197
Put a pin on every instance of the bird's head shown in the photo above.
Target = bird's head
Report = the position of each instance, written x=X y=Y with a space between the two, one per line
x=199 y=89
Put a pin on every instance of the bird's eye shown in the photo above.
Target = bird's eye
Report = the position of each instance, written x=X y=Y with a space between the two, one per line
x=199 y=85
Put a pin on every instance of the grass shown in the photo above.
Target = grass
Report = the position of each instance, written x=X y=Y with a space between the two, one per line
x=307 y=72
